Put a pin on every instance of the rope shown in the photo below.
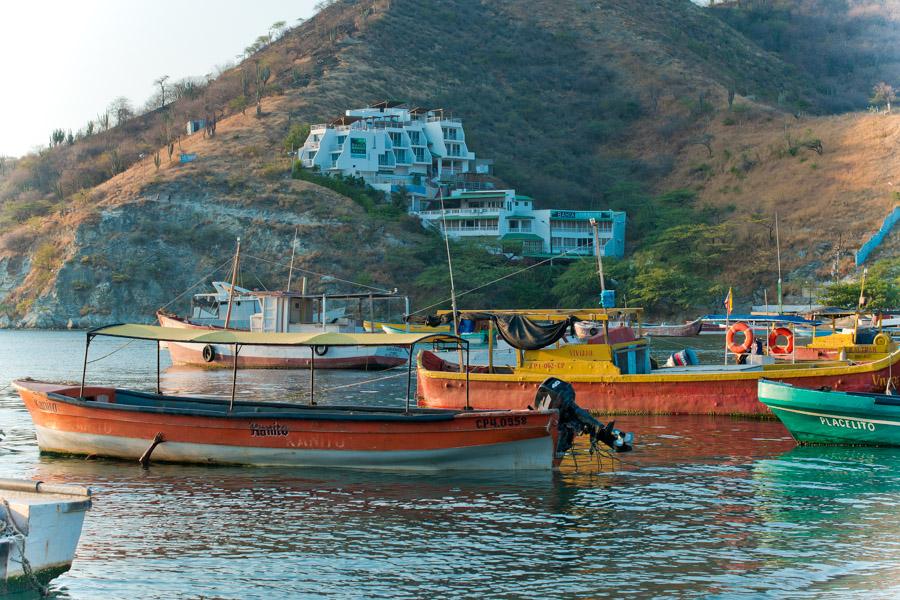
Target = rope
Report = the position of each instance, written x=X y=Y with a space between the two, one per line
x=199 y=281
x=11 y=529
x=339 y=387
x=296 y=268
x=113 y=352
x=507 y=276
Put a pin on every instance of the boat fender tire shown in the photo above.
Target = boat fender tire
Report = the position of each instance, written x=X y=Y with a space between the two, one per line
x=787 y=347
x=882 y=340
x=320 y=350
x=734 y=347
x=209 y=353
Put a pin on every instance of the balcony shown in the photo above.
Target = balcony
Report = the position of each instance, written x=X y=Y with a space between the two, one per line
x=312 y=145
x=462 y=212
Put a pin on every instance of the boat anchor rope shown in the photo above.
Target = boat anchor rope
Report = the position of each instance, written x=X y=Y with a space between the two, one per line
x=10 y=529
x=145 y=457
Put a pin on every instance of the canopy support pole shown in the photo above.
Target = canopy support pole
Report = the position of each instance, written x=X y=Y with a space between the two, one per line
x=491 y=346
x=87 y=345
x=312 y=375
x=409 y=376
x=468 y=407
x=158 y=388
x=237 y=348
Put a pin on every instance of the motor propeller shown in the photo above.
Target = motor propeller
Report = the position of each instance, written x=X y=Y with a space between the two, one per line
x=574 y=420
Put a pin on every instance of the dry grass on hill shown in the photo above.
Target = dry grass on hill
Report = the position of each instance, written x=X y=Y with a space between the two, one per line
x=827 y=203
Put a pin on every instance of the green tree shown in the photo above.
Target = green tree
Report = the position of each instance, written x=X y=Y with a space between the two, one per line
x=881 y=290
x=296 y=136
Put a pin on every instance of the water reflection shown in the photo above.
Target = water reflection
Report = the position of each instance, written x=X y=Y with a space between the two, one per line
x=706 y=506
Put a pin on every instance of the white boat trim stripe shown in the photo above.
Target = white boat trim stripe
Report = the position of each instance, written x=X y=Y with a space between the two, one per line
x=815 y=414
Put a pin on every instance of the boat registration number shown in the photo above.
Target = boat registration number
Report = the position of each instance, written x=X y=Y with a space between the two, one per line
x=497 y=422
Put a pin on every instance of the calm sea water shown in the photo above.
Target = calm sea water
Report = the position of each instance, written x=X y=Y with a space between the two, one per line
x=709 y=507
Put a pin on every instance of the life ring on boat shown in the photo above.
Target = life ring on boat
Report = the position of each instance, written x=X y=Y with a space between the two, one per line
x=787 y=347
x=320 y=350
x=882 y=341
x=209 y=353
x=748 y=338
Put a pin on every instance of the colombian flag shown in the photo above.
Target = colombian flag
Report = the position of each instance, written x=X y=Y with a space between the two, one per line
x=729 y=302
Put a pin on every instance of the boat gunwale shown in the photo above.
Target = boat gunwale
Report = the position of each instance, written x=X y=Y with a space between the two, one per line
x=298 y=411
x=782 y=371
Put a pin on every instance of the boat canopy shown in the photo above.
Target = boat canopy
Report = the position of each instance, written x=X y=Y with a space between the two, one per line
x=247 y=338
x=551 y=314
x=734 y=318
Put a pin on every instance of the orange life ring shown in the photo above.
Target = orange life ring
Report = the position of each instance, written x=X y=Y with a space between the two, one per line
x=787 y=347
x=748 y=338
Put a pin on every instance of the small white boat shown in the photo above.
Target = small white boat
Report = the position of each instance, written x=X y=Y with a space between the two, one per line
x=40 y=524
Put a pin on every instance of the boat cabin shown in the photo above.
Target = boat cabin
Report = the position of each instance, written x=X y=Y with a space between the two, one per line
x=212 y=308
x=295 y=312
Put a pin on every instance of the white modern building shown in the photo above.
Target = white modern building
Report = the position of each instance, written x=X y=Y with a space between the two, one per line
x=391 y=146
x=511 y=219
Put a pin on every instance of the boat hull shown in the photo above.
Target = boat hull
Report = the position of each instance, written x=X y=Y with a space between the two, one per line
x=370 y=358
x=701 y=393
x=834 y=418
x=686 y=330
x=52 y=524
x=293 y=435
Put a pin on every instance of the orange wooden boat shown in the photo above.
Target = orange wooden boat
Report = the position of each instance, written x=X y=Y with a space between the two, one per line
x=618 y=378
x=105 y=421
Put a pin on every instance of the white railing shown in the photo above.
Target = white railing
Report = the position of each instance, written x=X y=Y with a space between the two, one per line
x=484 y=230
x=460 y=211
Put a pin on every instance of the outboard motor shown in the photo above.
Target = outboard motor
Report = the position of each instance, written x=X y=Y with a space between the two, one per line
x=574 y=420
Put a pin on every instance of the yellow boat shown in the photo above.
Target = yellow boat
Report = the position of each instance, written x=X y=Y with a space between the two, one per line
x=618 y=377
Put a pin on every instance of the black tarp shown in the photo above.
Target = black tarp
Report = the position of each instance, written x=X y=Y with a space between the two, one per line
x=518 y=331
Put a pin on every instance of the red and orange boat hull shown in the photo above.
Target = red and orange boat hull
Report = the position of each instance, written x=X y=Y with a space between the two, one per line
x=122 y=424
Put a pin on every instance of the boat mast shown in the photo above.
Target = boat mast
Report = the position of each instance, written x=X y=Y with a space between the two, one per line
x=859 y=303
x=234 y=269
x=596 y=227
x=778 y=257
x=450 y=268
x=291 y=269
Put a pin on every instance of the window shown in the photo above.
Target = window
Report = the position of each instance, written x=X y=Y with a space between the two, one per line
x=513 y=225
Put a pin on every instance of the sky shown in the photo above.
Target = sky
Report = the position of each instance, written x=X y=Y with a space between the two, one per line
x=63 y=62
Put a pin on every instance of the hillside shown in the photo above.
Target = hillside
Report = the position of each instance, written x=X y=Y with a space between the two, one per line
x=845 y=47
x=582 y=104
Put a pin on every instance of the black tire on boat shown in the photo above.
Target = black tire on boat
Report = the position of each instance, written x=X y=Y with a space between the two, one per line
x=209 y=353
x=320 y=350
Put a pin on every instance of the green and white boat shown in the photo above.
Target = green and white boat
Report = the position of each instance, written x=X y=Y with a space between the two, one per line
x=823 y=416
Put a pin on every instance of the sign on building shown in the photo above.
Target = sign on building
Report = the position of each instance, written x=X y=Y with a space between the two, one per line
x=358 y=147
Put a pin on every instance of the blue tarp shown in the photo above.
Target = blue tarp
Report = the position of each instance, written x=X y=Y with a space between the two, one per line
x=794 y=320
